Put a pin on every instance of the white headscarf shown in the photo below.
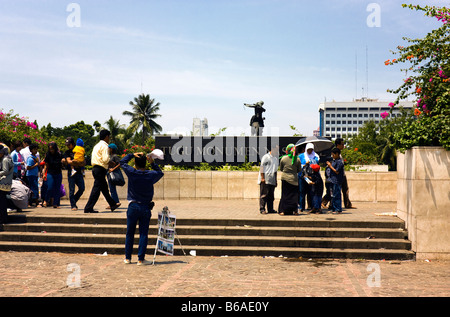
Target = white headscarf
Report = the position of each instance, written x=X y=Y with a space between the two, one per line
x=312 y=158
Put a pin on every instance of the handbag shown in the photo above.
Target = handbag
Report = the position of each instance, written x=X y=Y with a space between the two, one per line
x=116 y=178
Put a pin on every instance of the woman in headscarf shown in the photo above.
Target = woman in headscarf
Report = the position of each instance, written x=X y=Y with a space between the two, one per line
x=6 y=176
x=290 y=166
x=307 y=158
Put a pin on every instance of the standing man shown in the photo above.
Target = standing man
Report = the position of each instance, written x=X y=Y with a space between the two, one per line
x=140 y=196
x=100 y=161
x=267 y=180
x=25 y=152
x=339 y=142
x=77 y=178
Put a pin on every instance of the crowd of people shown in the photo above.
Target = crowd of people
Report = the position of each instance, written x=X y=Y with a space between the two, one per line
x=28 y=179
x=302 y=186
x=23 y=168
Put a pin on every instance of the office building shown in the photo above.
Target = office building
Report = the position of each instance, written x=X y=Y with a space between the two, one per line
x=200 y=127
x=340 y=119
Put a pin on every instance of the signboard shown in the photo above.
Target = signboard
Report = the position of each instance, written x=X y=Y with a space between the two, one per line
x=219 y=150
x=166 y=232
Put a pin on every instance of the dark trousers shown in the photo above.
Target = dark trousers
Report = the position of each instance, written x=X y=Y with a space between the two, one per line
x=304 y=193
x=327 y=198
x=316 y=201
x=266 y=197
x=75 y=180
x=53 y=188
x=100 y=185
x=347 y=202
x=3 y=207
x=137 y=213
x=336 y=200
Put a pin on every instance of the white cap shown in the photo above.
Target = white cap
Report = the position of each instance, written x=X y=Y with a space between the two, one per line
x=157 y=154
x=309 y=146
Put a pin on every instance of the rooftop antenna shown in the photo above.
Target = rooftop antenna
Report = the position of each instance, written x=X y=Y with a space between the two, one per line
x=367 y=72
x=356 y=75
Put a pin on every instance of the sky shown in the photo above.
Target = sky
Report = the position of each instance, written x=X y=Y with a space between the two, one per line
x=60 y=64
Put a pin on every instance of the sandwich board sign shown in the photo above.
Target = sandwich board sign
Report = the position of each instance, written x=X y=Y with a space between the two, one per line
x=166 y=233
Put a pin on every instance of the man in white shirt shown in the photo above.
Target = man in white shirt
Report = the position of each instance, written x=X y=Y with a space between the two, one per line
x=25 y=152
x=100 y=160
x=267 y=180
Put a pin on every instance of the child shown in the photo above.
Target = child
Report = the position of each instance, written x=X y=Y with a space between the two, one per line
x=33 y=173
x=336 y=177
x=328 y=185
x=78 y=154
x=316 y=189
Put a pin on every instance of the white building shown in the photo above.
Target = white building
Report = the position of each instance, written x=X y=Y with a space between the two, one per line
x=339 y=119
x=200 y=127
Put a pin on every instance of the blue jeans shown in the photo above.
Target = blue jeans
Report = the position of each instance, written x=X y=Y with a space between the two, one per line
x=137 y=213
x=78 y=180
x=317 y=201
x=34 y=186
x=303 y=189
x=336 y=200
x=113 y=191
x=54 y=188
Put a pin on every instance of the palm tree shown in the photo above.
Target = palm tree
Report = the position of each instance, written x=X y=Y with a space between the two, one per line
x=143 y=115
x=114 y=127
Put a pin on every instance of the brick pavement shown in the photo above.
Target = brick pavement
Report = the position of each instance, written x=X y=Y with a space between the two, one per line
x=33 y=274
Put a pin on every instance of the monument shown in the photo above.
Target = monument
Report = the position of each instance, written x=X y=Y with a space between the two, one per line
x=257 y=120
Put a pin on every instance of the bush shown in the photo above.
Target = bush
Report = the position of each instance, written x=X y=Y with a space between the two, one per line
x=15 y=128
x=429 y=83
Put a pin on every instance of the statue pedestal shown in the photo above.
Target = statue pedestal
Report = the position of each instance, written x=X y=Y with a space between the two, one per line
x=423 y=200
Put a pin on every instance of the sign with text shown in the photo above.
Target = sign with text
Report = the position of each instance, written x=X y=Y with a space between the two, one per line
x=219 y=150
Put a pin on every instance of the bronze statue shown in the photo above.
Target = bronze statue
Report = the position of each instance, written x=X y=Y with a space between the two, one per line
x=257 y=120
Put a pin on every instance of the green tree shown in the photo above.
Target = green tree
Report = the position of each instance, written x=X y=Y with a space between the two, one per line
x=428 y=82
x=143 y=115
x=77 y=130
x=114 y=127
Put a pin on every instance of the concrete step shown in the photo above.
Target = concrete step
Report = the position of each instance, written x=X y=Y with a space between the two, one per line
x=219 y=240
x=329 y=221
x=368 y=254
x=327 y=237
x=394 y=233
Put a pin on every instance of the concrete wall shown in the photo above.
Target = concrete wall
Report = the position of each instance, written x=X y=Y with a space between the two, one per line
x=364 y=186
x=423 y=200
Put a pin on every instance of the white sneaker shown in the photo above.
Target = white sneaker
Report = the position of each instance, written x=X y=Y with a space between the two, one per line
x=145 y=262
x=126 y=261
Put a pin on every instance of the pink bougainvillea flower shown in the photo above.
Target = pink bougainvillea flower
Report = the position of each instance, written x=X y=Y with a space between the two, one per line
x=391 y=104
x=384 y=115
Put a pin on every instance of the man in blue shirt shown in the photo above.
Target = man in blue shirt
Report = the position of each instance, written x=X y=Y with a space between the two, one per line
x=140 y=195
x=32 y=173
x=336 y=177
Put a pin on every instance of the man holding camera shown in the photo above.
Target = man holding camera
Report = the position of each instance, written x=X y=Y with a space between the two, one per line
x=140 y=196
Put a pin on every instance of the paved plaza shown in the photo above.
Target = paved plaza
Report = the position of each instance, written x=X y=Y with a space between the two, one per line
x=34 y=274
x=92 y=275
